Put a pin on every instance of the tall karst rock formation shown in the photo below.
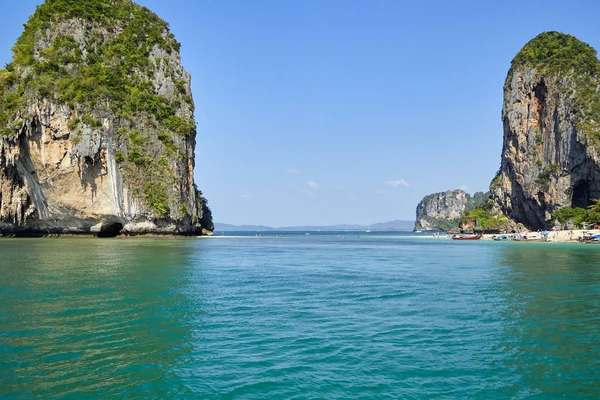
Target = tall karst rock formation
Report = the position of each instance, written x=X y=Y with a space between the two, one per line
x=441 y=211
x=96 y=124
x=551 y=116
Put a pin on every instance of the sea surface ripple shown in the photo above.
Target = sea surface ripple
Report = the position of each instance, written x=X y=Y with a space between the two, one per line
x=326 y=316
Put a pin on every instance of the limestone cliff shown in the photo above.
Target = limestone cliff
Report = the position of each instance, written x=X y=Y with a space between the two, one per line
x=96 y=124
x=442 y=211
x=551 y=117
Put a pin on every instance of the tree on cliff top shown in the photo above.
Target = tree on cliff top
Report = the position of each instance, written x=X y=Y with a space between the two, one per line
x=556 y=52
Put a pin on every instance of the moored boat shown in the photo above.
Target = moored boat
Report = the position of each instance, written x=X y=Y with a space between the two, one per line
x=590 y=239
x=466 y=237
x=525 y=238
x=506 y=236
x=529 y=239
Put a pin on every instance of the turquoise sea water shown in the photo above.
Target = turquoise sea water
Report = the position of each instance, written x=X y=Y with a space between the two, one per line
x=323 y=316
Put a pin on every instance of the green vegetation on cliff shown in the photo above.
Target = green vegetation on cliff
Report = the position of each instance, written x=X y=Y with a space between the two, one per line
x=575 y=65
x=577 y=215
x=449 y=206
x=477 y=200
x=555 y=52
x=102 y=59
x=477 y=215
x=83 y=69
x=481 y=217
x=547 y=172
x=206 y=222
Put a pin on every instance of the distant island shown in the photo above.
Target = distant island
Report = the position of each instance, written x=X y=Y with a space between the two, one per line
x=396 y=225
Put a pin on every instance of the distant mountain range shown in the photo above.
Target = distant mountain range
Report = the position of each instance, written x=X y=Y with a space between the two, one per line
x=397 y=225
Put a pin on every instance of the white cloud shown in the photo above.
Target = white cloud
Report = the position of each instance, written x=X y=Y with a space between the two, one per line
x=397 y=183
x=313 y=184
x=247 y=195
x=306 y=193
x=292 y=171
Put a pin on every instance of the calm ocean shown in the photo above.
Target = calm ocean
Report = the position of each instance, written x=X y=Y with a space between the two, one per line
x=330 y=316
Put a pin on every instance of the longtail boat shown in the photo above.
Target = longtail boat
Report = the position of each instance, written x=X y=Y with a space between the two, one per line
x=466 y=237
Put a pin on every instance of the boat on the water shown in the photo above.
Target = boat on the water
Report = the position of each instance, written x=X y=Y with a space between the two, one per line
x=466 y=237
x=507 y=236
x=590 y=239
x=544 y=237
x=530 y=239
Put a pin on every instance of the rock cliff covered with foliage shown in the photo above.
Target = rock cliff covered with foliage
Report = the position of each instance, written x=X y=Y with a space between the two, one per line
x=443 y=211
x=551 y=116
x=96 y=125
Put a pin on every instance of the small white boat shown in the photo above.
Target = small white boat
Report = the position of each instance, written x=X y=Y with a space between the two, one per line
x=525 y=238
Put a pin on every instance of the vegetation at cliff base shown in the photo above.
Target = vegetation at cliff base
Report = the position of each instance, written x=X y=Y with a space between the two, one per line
x=577 y=215
x=206 y=222
x=482 y=219
x=442 y=224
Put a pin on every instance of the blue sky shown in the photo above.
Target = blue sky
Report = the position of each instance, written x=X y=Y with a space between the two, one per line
x=330 y=111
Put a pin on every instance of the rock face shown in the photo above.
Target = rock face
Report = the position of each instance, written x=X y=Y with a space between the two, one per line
x=551 y=116
x=96 y=125
x=436 y=210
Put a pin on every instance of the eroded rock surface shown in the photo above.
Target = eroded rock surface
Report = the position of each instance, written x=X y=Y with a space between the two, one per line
x=551 y=133
x=96 y=125
x=433 y=208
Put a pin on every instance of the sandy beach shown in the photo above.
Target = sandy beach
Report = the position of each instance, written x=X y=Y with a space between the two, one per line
x=562 y=236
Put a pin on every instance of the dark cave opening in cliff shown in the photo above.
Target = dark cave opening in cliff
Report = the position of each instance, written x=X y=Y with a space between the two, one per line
x=110 y=230
x=540 y=91
x=581 y=195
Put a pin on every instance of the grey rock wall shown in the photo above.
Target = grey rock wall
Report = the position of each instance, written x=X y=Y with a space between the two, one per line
x=68 y=167
x=447 y=205
x=547 y=163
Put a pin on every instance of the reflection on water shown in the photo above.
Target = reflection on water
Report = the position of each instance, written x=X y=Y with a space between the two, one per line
x=552 y=318
x=93 y=317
